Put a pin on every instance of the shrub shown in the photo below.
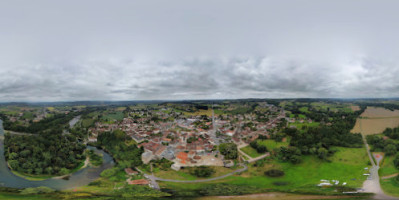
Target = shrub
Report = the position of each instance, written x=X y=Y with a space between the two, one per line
x=37 y=190
x=274 y=173
x=201 y=171
x=396 y=161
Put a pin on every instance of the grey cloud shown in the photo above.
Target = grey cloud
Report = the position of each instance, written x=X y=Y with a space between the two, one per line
x=127 y=50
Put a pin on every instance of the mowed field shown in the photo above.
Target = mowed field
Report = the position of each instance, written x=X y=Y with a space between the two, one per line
x=375 y=120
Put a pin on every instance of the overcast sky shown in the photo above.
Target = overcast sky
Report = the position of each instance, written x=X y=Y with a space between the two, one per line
x=208 y=49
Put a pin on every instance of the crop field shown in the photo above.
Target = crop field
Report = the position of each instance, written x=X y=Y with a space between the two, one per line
x=355 y=108
x=200 y=112
x=376 y=120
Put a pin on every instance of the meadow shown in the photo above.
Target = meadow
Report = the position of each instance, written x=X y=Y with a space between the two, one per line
x=347 y=165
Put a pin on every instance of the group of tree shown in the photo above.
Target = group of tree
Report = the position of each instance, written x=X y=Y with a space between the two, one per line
x=392 y=133
x=378 y=143
x=115 y=144
x=95 y=159
x=46 y=153
x=320 y=140
x=259 y=147
x=289 y=154
x=229 y=150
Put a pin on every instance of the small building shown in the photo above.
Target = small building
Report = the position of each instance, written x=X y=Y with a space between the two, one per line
x=130 y=171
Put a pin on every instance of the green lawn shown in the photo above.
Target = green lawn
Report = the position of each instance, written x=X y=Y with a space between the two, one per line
x=270 y=144
x=347 y=166
x=250 y=151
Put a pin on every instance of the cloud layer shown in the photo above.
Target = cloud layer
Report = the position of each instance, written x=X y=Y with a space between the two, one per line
x=138 y=50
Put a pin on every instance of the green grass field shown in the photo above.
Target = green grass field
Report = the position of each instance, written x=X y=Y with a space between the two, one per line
x=347 y=166
x=87 y=122
x=113 y=116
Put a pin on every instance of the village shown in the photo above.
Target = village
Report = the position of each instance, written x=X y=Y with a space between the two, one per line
x=191 y=140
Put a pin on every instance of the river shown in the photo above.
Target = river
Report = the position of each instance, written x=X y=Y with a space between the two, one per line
x=77 y=179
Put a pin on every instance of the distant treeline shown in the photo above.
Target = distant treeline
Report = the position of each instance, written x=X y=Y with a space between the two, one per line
x=388 y=106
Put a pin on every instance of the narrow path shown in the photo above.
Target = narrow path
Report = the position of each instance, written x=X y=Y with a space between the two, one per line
x=390 y=176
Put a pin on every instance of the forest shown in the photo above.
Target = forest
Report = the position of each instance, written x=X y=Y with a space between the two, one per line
x=114 y=143
x=47 y=153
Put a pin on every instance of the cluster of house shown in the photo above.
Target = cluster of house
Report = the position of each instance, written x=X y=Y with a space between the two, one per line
x=183 y=141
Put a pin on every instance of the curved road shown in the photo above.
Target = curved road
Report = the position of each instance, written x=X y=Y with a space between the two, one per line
x=202 y=180
x=155 y=185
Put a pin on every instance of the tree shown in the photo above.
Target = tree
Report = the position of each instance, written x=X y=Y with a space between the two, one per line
x=64 y=171
x=202 y=171
x=390 y=149
x=322 y=153
x=396 y=161
x=229 y=150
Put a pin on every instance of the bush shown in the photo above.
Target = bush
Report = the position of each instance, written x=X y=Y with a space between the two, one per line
x=225 y=189
x=229 y=150
x=396 y=161
x=201 y=171
x=274 y=173
x=37 y=190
